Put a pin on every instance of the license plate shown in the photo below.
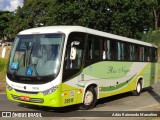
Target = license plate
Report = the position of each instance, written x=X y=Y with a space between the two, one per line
x=25 y=98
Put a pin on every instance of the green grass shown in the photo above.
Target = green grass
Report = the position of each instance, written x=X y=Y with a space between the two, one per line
x=3 y=67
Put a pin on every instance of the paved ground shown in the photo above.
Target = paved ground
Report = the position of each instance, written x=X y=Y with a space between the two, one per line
x=149 y=100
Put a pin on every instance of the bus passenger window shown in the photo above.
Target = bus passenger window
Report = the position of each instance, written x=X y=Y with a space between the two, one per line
x=146 y=54
x=154 y=54
x=131 y=52
x=141 y=53
x=76 y=64
x=90 y=50
x=97 y=47
x=113 y=50
x=108 y=50
x=136 y=54
x=94 y=48
x=104 y=49
x=120 y=52
x=126 y=52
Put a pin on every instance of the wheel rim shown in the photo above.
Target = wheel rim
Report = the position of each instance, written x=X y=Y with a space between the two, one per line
x=88 y=98
x=138 y=87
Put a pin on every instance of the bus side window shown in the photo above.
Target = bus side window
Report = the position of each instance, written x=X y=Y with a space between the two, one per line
x=140 y=53
x=154 y=54
x=97 y=48
x=136 y=54
x=94 y=48
x=131 y=52
x=67 y=57
x=121 y=51
x=146 y=54
x=113 y=50
x=77 y=63
x=104 y=47
x=126 y=51
x=108 y=50
x=143 y=54
x=90 y=49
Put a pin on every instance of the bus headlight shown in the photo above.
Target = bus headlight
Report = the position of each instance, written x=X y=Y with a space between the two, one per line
x=49 y=91
x=9 y=87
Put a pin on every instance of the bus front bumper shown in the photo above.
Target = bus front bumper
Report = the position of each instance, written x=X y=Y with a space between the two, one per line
x=51 y=100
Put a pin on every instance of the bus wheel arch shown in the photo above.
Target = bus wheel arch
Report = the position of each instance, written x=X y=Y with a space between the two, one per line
x=139 y=86
x=89 y=97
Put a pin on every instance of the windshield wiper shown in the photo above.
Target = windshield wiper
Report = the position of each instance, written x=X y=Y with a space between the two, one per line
x=35 y=70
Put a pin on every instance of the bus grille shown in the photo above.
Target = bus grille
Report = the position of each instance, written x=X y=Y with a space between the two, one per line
x=34 y=100
x=20 y=91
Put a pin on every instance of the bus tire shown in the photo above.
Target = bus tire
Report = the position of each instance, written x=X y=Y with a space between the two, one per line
x=90 y=99
x=138 y=89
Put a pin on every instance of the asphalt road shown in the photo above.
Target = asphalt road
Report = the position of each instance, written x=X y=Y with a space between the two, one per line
x=149 y=100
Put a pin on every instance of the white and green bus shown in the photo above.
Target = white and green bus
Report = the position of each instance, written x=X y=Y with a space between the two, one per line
x=58 y=66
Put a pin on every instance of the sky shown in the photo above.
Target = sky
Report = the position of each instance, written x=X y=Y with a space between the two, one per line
x=10 y=5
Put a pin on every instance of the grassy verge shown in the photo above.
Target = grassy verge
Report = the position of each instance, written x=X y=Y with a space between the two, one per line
x=3 y=66
x=3 y=63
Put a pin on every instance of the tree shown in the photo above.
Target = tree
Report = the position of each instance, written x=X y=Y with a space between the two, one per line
x=156 y=12
x=5 y=18
x=32 y=14
x=123 y=17
x=37 y=13
x=131 y=17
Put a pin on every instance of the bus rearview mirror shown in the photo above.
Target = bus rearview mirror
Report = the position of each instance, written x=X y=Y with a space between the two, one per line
x=73 y=53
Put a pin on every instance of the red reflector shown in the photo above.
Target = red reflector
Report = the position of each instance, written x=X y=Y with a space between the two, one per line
x=25 y=98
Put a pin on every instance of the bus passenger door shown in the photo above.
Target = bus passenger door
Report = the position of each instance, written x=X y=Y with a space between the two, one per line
x=72 y=68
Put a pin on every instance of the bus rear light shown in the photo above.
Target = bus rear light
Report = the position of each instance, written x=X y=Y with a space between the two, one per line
x=49 y=91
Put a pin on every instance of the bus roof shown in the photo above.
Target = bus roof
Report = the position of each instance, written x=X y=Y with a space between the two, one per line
x=69 y=29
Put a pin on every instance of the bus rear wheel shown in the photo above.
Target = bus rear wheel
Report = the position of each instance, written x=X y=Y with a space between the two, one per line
x=138 y=89
x=90 y=99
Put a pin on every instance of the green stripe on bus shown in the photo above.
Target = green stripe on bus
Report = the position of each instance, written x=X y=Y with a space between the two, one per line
x=111 y=88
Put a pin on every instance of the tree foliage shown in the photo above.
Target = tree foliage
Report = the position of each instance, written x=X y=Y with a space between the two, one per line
x=123 y=17
x=5 y=18
x=152 y=37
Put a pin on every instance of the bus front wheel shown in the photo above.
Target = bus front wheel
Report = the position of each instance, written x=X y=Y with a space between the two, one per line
x=90 y=98
x=138 y=89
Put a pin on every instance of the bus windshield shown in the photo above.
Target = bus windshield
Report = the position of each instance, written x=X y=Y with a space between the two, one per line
x=36 y=55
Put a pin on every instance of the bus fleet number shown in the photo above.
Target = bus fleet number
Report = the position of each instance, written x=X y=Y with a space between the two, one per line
x=70 y=100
